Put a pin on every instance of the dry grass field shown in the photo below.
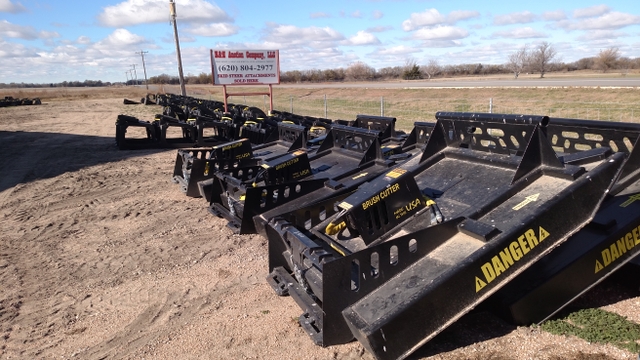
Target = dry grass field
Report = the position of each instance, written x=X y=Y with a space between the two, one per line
x=102 y=256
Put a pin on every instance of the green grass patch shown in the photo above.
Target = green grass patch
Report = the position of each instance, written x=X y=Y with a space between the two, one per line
x=597 y=326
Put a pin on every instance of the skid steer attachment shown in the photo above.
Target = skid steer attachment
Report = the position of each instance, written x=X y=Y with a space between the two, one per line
x=189 y=131
x=347 y=157
x=608 y=242
x=423 y=244
x=152 y=131
x=194 y=165
x=324 y=199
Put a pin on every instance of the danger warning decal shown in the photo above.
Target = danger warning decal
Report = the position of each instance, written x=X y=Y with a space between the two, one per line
x=511 y=254
x=618 y=248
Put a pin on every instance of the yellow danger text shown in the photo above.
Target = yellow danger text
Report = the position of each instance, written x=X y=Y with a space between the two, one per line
x=511 y=254
x=618 y=248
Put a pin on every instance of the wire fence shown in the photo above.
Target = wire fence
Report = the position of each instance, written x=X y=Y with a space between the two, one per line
x=407 y=111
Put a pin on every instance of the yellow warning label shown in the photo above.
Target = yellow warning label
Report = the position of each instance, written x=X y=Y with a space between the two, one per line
x=526 y=201
x=598 y=266
x=512 y=253
x=618 y=248
x=345 y=205
x=630 y=201
x=480 y=284
x=396 y=173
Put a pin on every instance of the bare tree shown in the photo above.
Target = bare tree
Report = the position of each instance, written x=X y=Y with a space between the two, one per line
x=607 y=59
x=541 y=58
x=518 y=61
x=432 y=68
x=360 y=71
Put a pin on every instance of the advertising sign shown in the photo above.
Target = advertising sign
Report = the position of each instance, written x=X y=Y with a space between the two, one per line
x=245 y=67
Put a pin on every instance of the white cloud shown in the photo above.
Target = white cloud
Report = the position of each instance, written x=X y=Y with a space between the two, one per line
x=591 y=11
x=213 y=30
x=121 y=40
x=356 y=14
x=611 y=20
x=429 y=17
x=514 y=18
x=319 y=15
x=133 y=12
x=288 y=36
x=601 y=35
x=377 y=14
x=519 y=33
x=554 y=15
x=362 y=38
x=83 y=40
x=9 y=30
x=440 y=33
x=398 y=50
x=459 y=15
x=10 y=7
x=379 y=28
x=12 y=50
x=48 y=35
x=432 y=17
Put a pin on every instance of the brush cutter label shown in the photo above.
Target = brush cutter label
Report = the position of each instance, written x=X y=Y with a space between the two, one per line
x=243 y=156
x=232 y=146
x=618 y=248
x=287 y=163
x=509 y=256
x=381 y=196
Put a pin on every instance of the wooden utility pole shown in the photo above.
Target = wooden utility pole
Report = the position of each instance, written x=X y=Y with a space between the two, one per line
x=172 y=6
x=144 y=68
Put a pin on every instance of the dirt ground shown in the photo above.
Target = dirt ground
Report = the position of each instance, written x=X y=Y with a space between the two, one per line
x=102 y=257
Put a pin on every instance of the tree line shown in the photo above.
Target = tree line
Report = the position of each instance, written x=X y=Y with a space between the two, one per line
x=86 y=83
x=540 y=59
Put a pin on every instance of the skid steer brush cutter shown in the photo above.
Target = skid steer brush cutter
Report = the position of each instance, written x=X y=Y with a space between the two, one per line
x=347 y=157
x=603 y=246
x=424 y=243
x=194 y=165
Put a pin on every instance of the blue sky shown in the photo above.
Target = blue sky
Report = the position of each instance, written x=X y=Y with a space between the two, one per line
x=45 y=41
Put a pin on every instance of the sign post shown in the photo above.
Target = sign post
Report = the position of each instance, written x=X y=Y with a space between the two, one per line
x=245 y=67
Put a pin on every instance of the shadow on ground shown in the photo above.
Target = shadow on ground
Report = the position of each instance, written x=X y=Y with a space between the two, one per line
x=55 y=154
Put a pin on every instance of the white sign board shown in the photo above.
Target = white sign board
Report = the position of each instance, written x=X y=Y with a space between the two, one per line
x=245 y=67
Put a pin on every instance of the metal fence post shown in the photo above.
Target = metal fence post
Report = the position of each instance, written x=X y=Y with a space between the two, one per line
x=490 y=105
x=325 y=106
x=381 y=105
x=291 y=100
